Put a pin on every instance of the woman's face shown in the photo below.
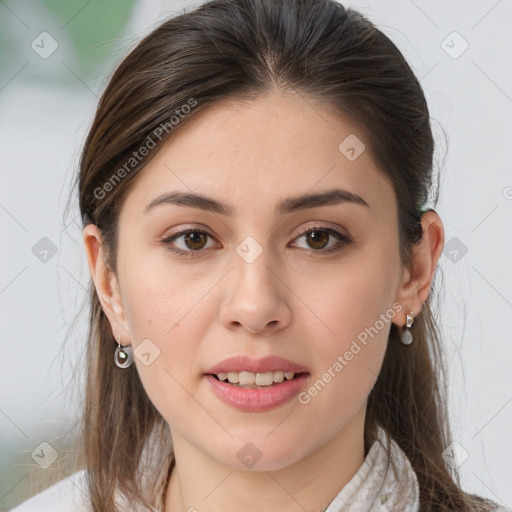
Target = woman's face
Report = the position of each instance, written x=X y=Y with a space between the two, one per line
x=271 y=278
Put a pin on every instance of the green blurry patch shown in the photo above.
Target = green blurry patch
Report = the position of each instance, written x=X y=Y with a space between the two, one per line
x=94 y=27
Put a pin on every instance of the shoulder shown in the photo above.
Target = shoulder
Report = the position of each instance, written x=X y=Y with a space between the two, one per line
x=68 y=495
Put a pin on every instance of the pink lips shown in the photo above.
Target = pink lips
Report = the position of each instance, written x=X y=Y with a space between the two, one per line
x=266 y=364
x=257 y=399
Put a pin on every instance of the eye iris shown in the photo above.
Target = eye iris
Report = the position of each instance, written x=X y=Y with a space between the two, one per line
x=195 y=237
x=321 y=237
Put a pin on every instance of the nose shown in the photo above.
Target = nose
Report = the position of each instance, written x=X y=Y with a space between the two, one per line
x=255 y=297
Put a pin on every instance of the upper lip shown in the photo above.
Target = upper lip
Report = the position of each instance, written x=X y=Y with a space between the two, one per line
x=263 y=365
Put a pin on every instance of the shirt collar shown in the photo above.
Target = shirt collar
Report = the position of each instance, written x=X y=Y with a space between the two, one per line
x=385 y=481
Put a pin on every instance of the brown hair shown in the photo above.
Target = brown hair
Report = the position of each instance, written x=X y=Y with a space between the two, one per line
x=240 y=49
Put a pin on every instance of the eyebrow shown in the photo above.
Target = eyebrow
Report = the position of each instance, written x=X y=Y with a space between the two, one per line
x=288 y=205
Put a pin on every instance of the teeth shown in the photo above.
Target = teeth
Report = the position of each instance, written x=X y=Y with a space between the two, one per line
x=259 y=379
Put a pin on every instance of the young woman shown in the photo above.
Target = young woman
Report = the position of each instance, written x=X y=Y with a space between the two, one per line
x=254 y=191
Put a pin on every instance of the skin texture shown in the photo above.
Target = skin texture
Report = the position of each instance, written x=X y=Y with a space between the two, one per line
x=291 y=301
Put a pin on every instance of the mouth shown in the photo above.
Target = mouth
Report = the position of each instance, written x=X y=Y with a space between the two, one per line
x=250 y=395
x=256 y=385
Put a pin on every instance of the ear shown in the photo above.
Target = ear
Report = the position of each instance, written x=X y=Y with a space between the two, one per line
x=106 y=283
x=417 y=280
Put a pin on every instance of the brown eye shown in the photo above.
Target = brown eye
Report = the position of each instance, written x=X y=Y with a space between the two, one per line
x=317 y=239
x=193 y=240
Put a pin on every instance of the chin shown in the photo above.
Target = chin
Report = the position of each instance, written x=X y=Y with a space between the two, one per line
x=259 y=455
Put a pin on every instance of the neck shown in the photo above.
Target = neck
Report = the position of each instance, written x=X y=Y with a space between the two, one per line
x=200 y=482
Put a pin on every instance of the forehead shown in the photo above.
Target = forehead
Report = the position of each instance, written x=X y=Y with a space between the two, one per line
x=254 y=152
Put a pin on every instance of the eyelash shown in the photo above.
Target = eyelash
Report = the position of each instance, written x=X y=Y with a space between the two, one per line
x=166 y=242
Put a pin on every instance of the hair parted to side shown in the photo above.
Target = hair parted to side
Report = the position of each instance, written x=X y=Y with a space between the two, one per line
x=242 y=49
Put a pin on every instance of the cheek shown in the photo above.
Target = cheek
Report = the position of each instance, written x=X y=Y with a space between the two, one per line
x=351 y=299
x=175 y=335
x=161 y=297
x=350 y=352
x=348 y=362
x=172 y=318
x=356 y=312
x=167 y=320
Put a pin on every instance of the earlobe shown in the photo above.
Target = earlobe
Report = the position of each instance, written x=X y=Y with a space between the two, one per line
x=104 y=279
x=417 y=280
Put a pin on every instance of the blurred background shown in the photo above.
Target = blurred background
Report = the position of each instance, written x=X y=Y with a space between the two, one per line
x=55 y=60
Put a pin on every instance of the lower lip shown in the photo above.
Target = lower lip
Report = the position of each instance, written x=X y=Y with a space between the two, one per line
x=257 y=399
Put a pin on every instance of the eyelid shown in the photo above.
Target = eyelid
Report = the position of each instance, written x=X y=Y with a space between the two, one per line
x=319 y=225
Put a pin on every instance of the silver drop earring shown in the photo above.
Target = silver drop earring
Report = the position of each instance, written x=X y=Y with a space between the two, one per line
x=406 y=336
x=123 y=356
